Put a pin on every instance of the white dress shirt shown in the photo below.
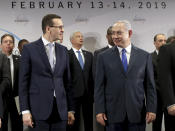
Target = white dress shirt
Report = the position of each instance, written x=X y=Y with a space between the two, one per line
x=157 y=51
x=11 y=69
x=110 y=46
x=47 y=48
x=128 y=52
x=75 y=51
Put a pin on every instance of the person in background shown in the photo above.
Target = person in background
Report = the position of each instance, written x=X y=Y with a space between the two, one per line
x=166 y=80
x=7 y=45
x=109 y=45
x=82 y=82
x=96 y=53
x=4 y=92
x=1 y=111
x=159 y=40
x=21 y=43
x=170 y=39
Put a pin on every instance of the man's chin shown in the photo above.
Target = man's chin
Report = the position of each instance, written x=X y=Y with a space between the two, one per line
x=117 y=43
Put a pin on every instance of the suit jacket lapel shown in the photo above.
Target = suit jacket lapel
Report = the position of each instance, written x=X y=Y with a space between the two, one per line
x=43 y=54
x=154 y=57
x=15 y=64
x=85 y=59
x=117 y=56
x=133 y=58
x=75 y=59
x=58 y=55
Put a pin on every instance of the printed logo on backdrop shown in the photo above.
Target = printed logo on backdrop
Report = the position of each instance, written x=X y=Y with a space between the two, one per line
x=22 y=19
x=4 y=31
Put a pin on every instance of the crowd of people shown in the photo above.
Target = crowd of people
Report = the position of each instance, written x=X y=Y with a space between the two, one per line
x=47 y=86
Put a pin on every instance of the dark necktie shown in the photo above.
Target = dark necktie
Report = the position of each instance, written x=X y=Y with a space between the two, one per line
x=80 y=59
x=124 y=59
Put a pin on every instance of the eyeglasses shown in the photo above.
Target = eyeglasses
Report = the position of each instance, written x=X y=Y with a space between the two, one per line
x=117 y=32
x=161 y=40
x=8 y=41
x=60 y=27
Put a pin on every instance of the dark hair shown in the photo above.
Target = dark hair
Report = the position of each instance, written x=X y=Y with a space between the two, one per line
x=170 y=39
x=5 y=35
x=155 y=37
x=109 y=31
x=21 y=41
x=47 y=21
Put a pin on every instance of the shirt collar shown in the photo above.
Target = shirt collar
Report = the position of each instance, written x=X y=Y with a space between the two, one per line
x=10 y=56
x=46 y=42
x=75 y=50
x=157 y=51
x=128 y=49
x=110 y=46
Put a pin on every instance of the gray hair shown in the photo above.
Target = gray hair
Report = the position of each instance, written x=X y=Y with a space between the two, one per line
x=72 y=34
x=125 y=22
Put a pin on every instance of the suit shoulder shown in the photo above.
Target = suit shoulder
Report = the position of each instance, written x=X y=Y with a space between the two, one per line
x=100 y=50
x=87 y=52
x=62 y=47
x=152 y=53
x=70 y=52
x=32 y=44
x=141 y=50
x=170 y=45
x=16 y=56
x=107 y=51
x=2 y=55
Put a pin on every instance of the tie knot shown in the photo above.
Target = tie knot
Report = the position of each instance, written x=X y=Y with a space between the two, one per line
x=78 y=51
x=50 y=45
x=123 y=50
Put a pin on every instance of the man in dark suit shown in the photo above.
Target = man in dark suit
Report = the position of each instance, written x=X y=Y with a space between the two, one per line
x=44 y=80
x=159 y=40
x=82 y=82
x=4 y=92
x=21 y=43
x=124 y=77
x=1 y=111
x=110 y=45
x=166 y=80
x=7 y=45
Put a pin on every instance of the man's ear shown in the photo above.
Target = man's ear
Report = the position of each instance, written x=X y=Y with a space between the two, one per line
x=48 y=29
x=130 y=33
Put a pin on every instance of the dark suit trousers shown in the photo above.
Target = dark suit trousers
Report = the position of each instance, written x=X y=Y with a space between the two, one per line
x=5 y=121
x=16 y=119
x=126 y=126
x=87 y=112
x=53 y=123
x=157 y=124
x=169 y=122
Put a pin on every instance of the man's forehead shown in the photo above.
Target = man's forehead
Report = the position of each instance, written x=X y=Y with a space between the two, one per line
x=161 y=37
x=78 y=34
x=57 y=21
x=7 y=38
x=118 y=26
